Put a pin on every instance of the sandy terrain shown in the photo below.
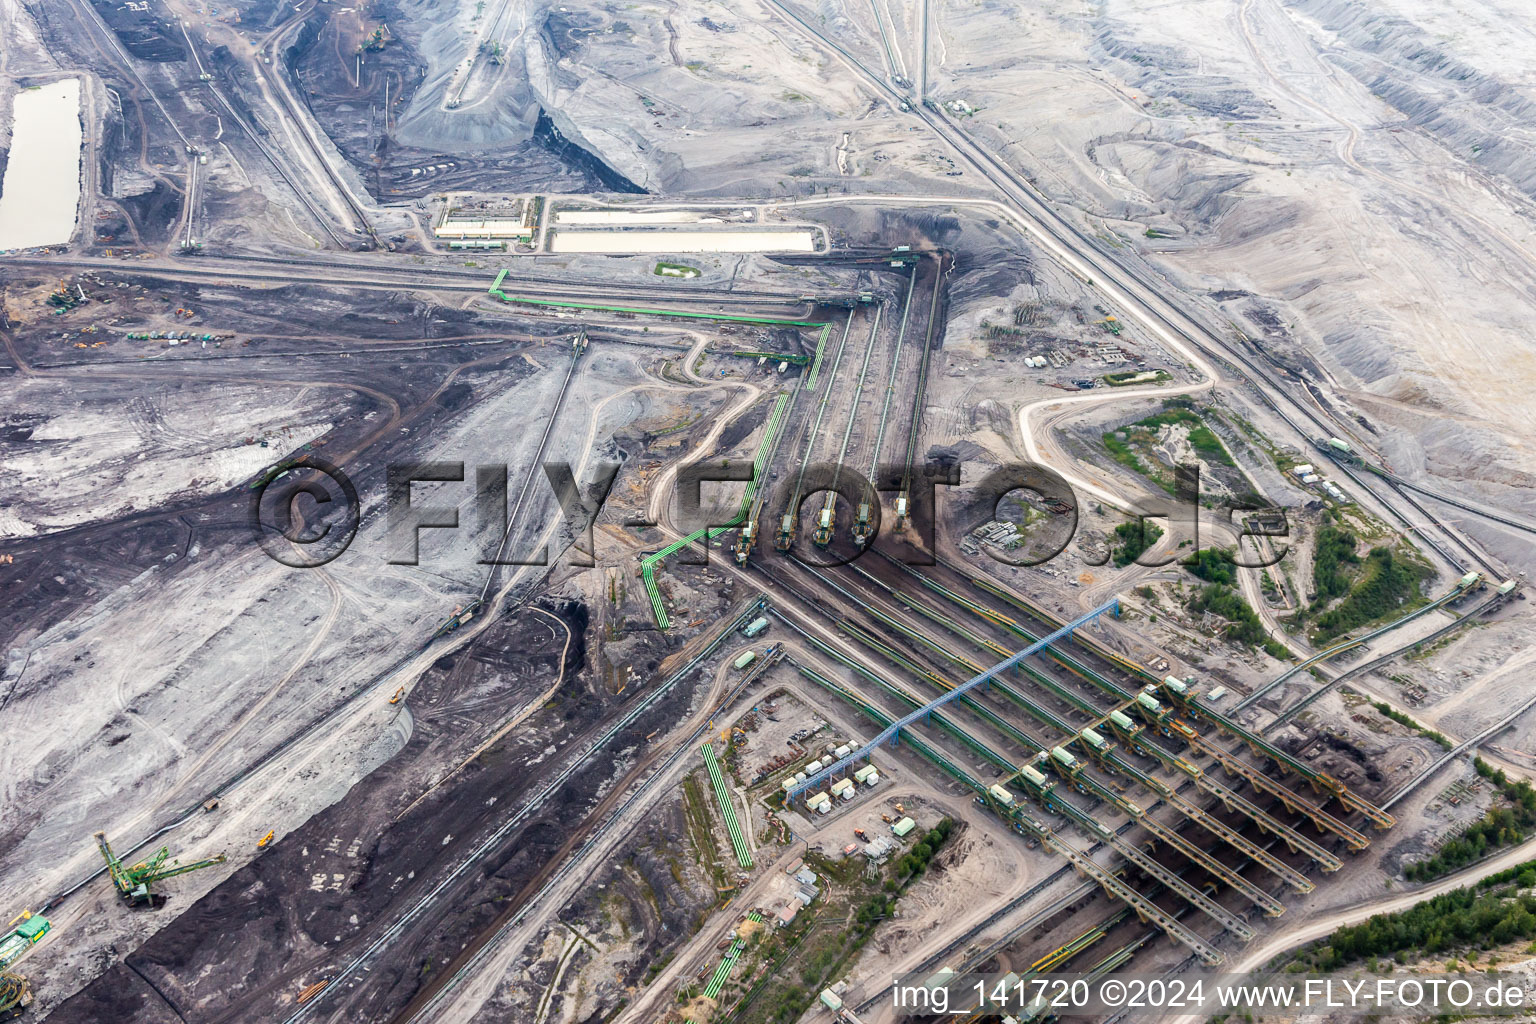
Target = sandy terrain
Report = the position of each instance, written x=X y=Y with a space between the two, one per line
x=1344 y=187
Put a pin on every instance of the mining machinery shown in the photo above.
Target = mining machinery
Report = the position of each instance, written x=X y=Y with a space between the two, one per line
x=786 y=535
x=744 y=541
x=15 y=995
x=826 y=520
x=15 y=991
x=462 y=613
x=133 y=881
x=863 y=526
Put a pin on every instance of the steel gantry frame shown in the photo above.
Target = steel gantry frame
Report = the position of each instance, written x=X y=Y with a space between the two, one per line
x=1023 y=823
x=1257 y=744
x=1115 y=764
x=1094 y=787
x=893 y=732
x=1100 y=717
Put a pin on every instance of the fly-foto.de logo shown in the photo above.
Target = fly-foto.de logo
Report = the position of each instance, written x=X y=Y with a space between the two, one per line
x=308 y=514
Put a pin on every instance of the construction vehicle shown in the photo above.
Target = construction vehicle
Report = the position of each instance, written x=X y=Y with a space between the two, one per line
x=22 y=936
x=133 y=881
x=63 y=300
x=398 y=694
x=266 y=840
x=15 y=991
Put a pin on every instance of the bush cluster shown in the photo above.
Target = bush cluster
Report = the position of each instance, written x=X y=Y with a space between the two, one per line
x=916 y=860
x=1386 y=583
x=1498 y=828
x=1134 y=538
x=1334 y=550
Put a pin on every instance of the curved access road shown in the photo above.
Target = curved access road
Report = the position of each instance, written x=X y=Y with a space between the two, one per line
x=1258 y=955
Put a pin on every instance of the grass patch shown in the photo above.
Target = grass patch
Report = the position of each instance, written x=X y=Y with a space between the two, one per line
x=1121 y=453
x=1209 y=446
x=1141 y=435
x=1129 y=377
x=674 y=428
x=664 y=269
x=700 y=831
x=1268 y=586
x=1204 y=442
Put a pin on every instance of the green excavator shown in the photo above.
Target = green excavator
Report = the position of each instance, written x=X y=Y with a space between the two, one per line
x=133 y=881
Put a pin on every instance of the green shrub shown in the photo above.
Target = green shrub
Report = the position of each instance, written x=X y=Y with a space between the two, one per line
x=1498 y=828
x=1134 y=539
x=1386 y=584
x=1243 y=623
x=1214 y=565
x=1334 y=550
x=1474 y=916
